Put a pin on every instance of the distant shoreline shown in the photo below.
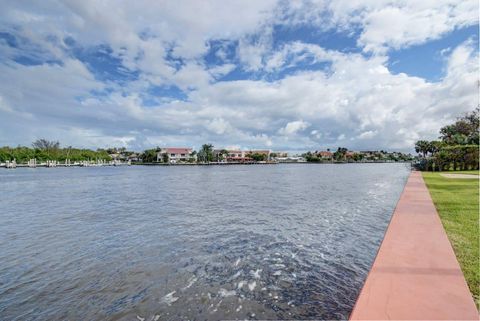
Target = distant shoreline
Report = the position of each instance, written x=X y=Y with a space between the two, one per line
x=195 y=164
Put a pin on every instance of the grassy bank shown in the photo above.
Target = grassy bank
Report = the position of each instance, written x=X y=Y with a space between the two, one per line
x=457 y=201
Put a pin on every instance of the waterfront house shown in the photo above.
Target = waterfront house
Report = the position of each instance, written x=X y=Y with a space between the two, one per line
x=134 y=157
x=222 y=155
x=175 y=154
x=325 y=155
x=118 y=156
x=236 y=154
x=230 y=156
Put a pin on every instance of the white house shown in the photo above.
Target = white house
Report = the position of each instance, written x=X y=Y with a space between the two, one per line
x=175 y=154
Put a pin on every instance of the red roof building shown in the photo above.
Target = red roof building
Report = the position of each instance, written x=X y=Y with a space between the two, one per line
x=325 y=154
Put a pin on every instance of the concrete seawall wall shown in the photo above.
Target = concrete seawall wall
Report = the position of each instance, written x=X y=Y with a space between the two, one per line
x=415 y=274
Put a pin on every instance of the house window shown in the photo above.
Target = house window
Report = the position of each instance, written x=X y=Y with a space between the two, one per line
x=183 y=155
x=172 y=155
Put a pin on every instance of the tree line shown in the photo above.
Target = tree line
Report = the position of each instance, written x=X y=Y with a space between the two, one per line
x=457 y=147
x=342 y=154
x=44 y=150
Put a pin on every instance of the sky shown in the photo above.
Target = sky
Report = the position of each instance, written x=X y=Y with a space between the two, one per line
x=281 y=75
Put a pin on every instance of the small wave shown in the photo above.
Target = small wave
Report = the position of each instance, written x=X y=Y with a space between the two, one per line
x=256 y=273
x=225 y=293
x=241 y=284
x=170 y=298
x=236 y=275
x=190 y=282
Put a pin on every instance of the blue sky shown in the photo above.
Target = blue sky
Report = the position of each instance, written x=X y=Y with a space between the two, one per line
x=303 y=75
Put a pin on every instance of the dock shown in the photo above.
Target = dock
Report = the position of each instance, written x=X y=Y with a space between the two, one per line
x=32 y=163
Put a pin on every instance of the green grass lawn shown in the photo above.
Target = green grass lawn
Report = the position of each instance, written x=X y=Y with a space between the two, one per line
x=457 y=201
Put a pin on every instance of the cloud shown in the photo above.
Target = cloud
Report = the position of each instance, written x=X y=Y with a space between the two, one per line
x=293 y=127
x=414 y=22
x=277 y=96
x=358 y=98
x=219 y=126
x=367 y=134
x=385 y=24
x=221 y=70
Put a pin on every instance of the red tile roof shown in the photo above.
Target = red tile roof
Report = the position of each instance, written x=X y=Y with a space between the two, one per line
x=177 y=150
x=325 y=154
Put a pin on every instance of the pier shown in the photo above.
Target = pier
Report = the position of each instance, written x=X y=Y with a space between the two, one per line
x=32 y=163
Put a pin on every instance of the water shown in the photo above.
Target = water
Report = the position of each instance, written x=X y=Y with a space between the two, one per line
x=177 y=243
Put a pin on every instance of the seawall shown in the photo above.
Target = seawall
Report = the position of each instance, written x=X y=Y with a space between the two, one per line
x=415 y=275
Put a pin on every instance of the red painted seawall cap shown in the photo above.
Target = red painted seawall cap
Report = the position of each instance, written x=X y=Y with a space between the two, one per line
x=415 y=275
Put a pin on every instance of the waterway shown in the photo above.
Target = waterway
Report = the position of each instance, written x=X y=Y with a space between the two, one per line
x=290 y=241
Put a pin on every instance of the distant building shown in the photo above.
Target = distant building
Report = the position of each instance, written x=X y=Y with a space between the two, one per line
x=291 y=159
x=175 y=154
x=134 y=157
x=349 y=154
x=230 y=156
x=279 y=154
x=327 y=155
x=118 y=156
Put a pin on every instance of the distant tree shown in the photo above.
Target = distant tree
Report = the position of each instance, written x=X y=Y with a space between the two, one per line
x=340 y=153
x=192 y=155
x=464 y=131
x=165 y=158
x=422 y=147
x=434 y=146
x=311 y=157
x=149 y=155
x=48 y=149
x=222 y=154
x=258 y=157
x=23 y=154
x=45 y=145
x=205 y=154
x=358 y=157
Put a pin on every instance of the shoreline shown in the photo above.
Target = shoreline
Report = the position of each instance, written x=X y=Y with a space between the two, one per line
x=415 y=274
x=44 y=165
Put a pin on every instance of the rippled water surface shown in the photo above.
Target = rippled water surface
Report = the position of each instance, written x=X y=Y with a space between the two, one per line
x=205 y=243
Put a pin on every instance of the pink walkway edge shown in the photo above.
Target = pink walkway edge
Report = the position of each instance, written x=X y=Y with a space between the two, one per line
x=415 y=274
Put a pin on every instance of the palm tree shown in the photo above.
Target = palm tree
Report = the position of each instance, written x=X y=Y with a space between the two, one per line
x=205 y=154
x=340 y=153
x=435 y=146
x=423 y=147
x=222 y=154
